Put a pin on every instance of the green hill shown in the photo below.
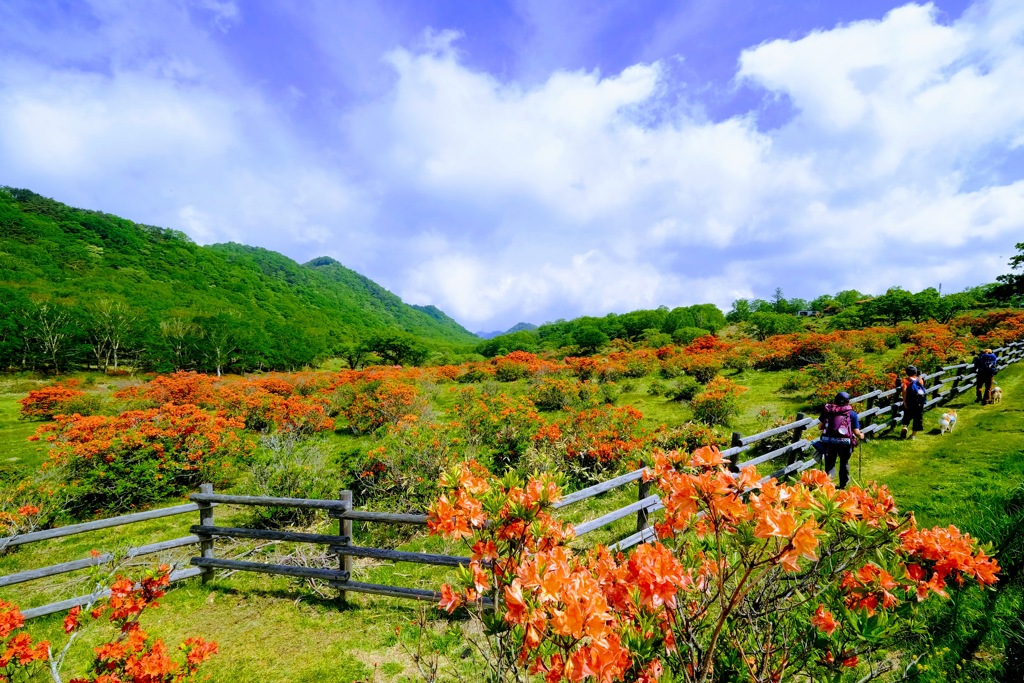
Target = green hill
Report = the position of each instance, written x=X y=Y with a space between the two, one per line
x=68 y=276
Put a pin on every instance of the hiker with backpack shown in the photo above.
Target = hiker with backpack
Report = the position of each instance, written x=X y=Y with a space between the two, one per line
x=840 y=429
x=914 y=398
x=985 y=366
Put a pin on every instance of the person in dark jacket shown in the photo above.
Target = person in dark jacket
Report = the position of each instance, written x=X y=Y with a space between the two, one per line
x=840 y=429
x=985 y=365
x=914 y=397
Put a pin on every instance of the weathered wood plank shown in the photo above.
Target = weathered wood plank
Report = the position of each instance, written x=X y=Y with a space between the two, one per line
x=771 y=455
x=267 y=535
x=642 y=536
x=267 y=501
x=73 y=529
x=264 y=568
x=386 y=517
x=615 y=515
x=53 y=607
x=75 y=565
x=600 y=488
x=400 y=556
x=754 y=438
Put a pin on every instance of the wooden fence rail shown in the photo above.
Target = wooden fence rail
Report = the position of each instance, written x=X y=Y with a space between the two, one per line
x=883 y=411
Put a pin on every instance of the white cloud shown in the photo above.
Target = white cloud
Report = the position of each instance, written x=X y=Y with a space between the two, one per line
x=578 y=192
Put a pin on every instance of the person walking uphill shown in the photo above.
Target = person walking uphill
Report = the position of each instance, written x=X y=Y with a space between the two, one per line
x=985 y=365
x=914 y=398
x=840 y=429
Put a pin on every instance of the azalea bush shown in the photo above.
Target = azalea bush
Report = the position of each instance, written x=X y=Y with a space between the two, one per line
x=497 y=424
x=114 y=464
x=588 y=444
x=718 y=403
x=130 y=656
x=46 y=402
x=762 y=582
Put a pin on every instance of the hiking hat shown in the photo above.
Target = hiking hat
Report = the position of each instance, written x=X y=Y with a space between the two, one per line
x=911 y=370
x=842 y=399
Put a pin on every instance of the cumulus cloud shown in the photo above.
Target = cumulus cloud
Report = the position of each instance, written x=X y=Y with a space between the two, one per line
x=576 y=192
x=884 y=162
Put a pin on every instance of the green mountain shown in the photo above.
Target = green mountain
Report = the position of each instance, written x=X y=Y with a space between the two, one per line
x=184 y=305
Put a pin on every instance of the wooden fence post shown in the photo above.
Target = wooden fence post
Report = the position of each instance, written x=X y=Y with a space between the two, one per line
x=345 y=531
x=734 y=459
x=641 y=514
x=954 y=391
x=798 y=434
x=206 y=519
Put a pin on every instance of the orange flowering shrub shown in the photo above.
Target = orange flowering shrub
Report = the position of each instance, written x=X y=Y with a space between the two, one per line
x=46 y=402
x=140 y=457
x=131 y=656
x=756 y=581
x=500 y=425
x=718 y=403
x=587 y=443
x=701 y=366
x=179 y=388
x=837 y=374
x=380 y=403
x=400 y=473
x=563 y=393
x=17 y=651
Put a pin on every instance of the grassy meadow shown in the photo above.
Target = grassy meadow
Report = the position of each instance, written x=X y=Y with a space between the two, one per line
x=274 y=629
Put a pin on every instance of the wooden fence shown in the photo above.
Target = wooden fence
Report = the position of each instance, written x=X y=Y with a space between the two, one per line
x=883 y=411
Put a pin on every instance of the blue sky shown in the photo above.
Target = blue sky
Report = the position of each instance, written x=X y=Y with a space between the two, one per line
x=538 y=159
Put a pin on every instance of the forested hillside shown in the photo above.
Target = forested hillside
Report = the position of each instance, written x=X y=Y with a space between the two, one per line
x=82 y=287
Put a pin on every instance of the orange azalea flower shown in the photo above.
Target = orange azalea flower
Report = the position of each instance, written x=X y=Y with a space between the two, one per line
x=823 y=620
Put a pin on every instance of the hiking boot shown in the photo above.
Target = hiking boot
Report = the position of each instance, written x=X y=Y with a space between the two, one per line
x=903 y=433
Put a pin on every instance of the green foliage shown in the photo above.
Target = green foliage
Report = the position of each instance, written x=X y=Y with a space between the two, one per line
x=80 y=288
x=765 y=324
x=589 y=339
x=288 y=466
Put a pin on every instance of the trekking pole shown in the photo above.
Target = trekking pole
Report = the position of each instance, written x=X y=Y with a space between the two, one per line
x=860 y=463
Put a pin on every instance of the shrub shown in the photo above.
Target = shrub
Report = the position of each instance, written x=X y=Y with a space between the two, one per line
x=657 y=388
x=114 y=464
x=718 y=403
x=180 y=388
x=687 y=437
x=685 y=335
x=610 y=391
x=130 y=656
x=557 y=393
x=47 y=402
x=381 y=403
x=286 y=465
x=588 y=443
x=400 y=474
x=502 y=425
x=703 y=367
x=683 y=389
x=479 y=373
x=841 y=573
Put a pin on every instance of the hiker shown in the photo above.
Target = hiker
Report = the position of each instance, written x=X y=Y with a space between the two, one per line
x=985 y=365
x=914 y=398
x=840 y=429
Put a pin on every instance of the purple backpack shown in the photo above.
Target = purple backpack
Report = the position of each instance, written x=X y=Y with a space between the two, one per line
x=838 y=425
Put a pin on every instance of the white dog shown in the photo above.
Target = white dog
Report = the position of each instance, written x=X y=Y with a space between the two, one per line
x=947 y=422
x=997 y=394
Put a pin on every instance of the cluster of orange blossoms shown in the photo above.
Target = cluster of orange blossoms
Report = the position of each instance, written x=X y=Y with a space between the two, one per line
x=131 y=657
x=608 y=617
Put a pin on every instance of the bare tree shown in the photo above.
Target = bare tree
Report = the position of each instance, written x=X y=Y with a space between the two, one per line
x=52 y=328
x=110 y=326
x=179 y=332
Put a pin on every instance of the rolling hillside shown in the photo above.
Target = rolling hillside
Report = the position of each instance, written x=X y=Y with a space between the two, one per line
x=73 y=258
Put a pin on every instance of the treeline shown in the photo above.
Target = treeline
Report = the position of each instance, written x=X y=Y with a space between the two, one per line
x=850 y=309
x=110 y=335
x=586 y=335
x=86 y=289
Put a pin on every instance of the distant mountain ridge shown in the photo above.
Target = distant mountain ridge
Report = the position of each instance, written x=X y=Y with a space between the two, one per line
x=51 y=251
x=518 y=327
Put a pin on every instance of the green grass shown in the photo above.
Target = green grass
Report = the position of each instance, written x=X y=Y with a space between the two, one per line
x=275 y=629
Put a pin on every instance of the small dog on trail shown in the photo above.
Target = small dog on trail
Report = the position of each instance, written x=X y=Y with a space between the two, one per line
x=947 y=422
x=997 y=394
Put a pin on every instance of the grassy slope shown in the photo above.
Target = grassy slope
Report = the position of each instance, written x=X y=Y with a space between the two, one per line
x=271 y=629
x=52 y=250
